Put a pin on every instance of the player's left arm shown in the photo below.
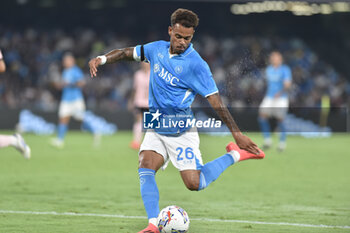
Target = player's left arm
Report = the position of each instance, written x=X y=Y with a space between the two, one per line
x=287 y=84
x=80 y=84
x=286 y=87
x=242 y=141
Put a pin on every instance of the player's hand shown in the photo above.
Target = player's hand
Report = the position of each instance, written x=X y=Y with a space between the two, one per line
x=246 y=143
x=59 y=85
x=93 y=64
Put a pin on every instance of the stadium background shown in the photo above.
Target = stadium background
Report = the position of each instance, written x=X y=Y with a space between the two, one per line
x=35 y=34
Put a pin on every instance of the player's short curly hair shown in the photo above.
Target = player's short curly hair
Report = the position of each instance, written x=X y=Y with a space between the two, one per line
x=184 y=17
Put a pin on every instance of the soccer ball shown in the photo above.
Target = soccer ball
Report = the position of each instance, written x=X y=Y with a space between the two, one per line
x=173 y=219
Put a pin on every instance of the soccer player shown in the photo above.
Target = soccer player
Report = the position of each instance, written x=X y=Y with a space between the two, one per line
x=2 y=63
x=15 y=140
x=178 y=73
x=140 y=102
x=275 y=103
x=72 y=101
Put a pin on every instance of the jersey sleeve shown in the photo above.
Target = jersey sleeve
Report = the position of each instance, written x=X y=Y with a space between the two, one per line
x=1 y=57
x=148 y=51
x=287 y=74
x=203 y=83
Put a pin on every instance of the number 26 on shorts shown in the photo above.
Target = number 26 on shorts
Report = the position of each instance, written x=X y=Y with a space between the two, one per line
x=188 y=153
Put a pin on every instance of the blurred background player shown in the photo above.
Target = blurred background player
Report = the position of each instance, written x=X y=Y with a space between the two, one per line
x=2 y=63
x=15 y=140
x=72 y=101
x=275 y=103
x=139 y=101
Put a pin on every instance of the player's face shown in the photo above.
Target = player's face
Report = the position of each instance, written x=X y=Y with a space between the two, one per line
x=180 y=38
x=68 y=61
x=276 y=59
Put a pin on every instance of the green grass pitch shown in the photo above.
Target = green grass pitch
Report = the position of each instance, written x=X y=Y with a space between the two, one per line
x=309 y=183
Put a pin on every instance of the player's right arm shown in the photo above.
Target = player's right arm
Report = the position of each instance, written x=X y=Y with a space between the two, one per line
x=204 y=85
x=125 y=54
x=242 y=141
x=287 y=81
x=2 y=63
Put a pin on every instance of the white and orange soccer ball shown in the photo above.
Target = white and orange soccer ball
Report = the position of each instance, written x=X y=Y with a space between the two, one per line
x=173 y=219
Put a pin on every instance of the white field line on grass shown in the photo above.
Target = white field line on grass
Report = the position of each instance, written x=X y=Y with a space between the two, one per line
x=192 y=219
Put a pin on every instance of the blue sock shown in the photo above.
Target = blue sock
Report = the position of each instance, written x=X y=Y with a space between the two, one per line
x=62 y=129
x=265 y=127
x=149 y=192
x=283 y=133
x=86 y=125
x=212 y=170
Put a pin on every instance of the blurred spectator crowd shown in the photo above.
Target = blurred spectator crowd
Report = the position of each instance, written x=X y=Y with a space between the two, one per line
x=33 y=59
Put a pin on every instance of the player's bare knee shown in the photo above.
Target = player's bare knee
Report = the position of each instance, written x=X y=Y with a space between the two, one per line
x=190 y=179
x=144 y=162
x=192 y=186
x=150 y=160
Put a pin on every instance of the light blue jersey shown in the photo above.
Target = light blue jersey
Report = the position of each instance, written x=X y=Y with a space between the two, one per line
x=175 y=80
x=276 y=78
x=71 y=76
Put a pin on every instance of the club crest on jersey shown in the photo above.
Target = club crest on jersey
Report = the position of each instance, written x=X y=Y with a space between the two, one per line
x=178 y=69
x=156 y=68
x=161 y=56
x=165 y=75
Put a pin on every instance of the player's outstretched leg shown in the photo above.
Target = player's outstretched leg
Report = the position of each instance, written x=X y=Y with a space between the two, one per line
x=212 y=170
x=61 y=132
x=22 y=146
x=266 y=131
x=17 y=142
x=88 y=126
x=283 y=136
x=7 y=140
